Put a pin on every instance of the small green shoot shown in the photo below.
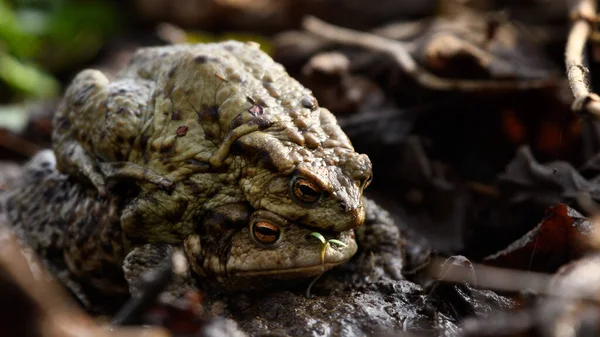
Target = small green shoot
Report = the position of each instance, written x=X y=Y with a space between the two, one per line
x=319 y=236
x=325 y=242
x=338 y=242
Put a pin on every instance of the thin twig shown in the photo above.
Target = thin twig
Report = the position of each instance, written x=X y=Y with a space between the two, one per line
x=401 y=55
x=585 y=101
x=509 y=280
x=489 y=277
x=133 y=309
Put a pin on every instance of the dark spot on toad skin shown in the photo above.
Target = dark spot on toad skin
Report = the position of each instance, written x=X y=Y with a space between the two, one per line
x=201 y=59
x=211 y=134
x=237 y=121
x=177 y=214
x=144 y=141
x=208 y=114
x=171 y=72
x=200 y=259
x=257 y=156
x=263 y=159
x=262 y=123
x=131 y=140
x=82 y=95
x=107 y=248
x=176 y=116
x=166 y=147
x=120 y=140
x=62 y=123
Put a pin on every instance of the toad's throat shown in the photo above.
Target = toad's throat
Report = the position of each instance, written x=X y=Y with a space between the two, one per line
x=305 y=270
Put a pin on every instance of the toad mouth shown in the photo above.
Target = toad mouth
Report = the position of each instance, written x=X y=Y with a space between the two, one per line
x=308 y=270
x=313 y=266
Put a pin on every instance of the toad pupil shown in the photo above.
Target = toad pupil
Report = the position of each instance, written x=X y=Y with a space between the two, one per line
x=265 y=232
x=306 y=191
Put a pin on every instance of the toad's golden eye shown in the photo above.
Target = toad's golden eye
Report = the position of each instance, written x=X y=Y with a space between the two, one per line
x=306 y=191
x=265 y=232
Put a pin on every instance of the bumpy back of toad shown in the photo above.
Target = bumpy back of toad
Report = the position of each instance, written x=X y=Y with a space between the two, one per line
x=178 y=113
x=174 y=104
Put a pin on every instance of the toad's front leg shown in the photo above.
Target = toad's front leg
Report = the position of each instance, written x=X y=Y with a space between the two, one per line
x=156 y=268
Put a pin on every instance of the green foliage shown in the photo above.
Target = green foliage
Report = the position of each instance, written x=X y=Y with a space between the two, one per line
x=319 y=236
x=27 y=78
x=338 y=242
x=39 y=37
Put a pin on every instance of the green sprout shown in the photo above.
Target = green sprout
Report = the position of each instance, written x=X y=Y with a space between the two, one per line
x=325 y=242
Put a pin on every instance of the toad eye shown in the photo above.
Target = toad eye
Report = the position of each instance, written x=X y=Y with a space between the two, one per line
x=265 y=232
x=306 y=191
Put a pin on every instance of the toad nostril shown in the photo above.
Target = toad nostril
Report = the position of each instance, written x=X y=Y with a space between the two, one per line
x=343 y=206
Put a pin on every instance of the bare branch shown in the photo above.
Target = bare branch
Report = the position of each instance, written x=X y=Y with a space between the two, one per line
x=584 y=13
x=399 y=51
